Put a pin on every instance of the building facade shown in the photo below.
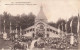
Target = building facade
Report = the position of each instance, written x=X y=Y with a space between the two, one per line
x=41 y=27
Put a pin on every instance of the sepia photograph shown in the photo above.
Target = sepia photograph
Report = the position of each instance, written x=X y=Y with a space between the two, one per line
x=39 y=24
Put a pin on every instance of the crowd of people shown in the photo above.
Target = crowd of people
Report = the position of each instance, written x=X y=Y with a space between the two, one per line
x=54 y=43
x=57 y=43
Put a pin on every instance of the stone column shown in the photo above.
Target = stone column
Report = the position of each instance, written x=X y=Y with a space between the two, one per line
x=45 y=31
x=35 y=31
x=79 y=35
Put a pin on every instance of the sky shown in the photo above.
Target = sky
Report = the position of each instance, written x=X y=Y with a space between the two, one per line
x=53 y=9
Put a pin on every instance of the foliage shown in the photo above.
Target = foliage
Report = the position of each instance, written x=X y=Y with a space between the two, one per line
x=26 y=21
x=16 y=21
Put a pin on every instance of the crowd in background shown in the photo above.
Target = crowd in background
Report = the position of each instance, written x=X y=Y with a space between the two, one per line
x=54 y=43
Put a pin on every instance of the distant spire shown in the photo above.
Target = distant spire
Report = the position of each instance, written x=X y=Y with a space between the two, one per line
x=78 y=22
x=4 y=26
x=41 y=15
x=20 y=31
x=41 y=8
x=59 y=29
x=10 y=28
x=71 y=23
x=66 y=26
x=78 y=26
x=16 y=30
x=78 y=30
x=78 y=13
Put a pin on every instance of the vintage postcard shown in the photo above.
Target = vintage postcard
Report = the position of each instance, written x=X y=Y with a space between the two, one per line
x=39 y=24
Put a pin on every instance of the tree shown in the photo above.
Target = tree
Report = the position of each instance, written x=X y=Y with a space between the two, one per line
x=61 y=24
x=23 y=20
x=74 y=24
x=6 y=18
x=52 y=24
x=27 y=20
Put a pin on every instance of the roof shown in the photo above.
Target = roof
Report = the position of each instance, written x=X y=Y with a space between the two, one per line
x=41 y=14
